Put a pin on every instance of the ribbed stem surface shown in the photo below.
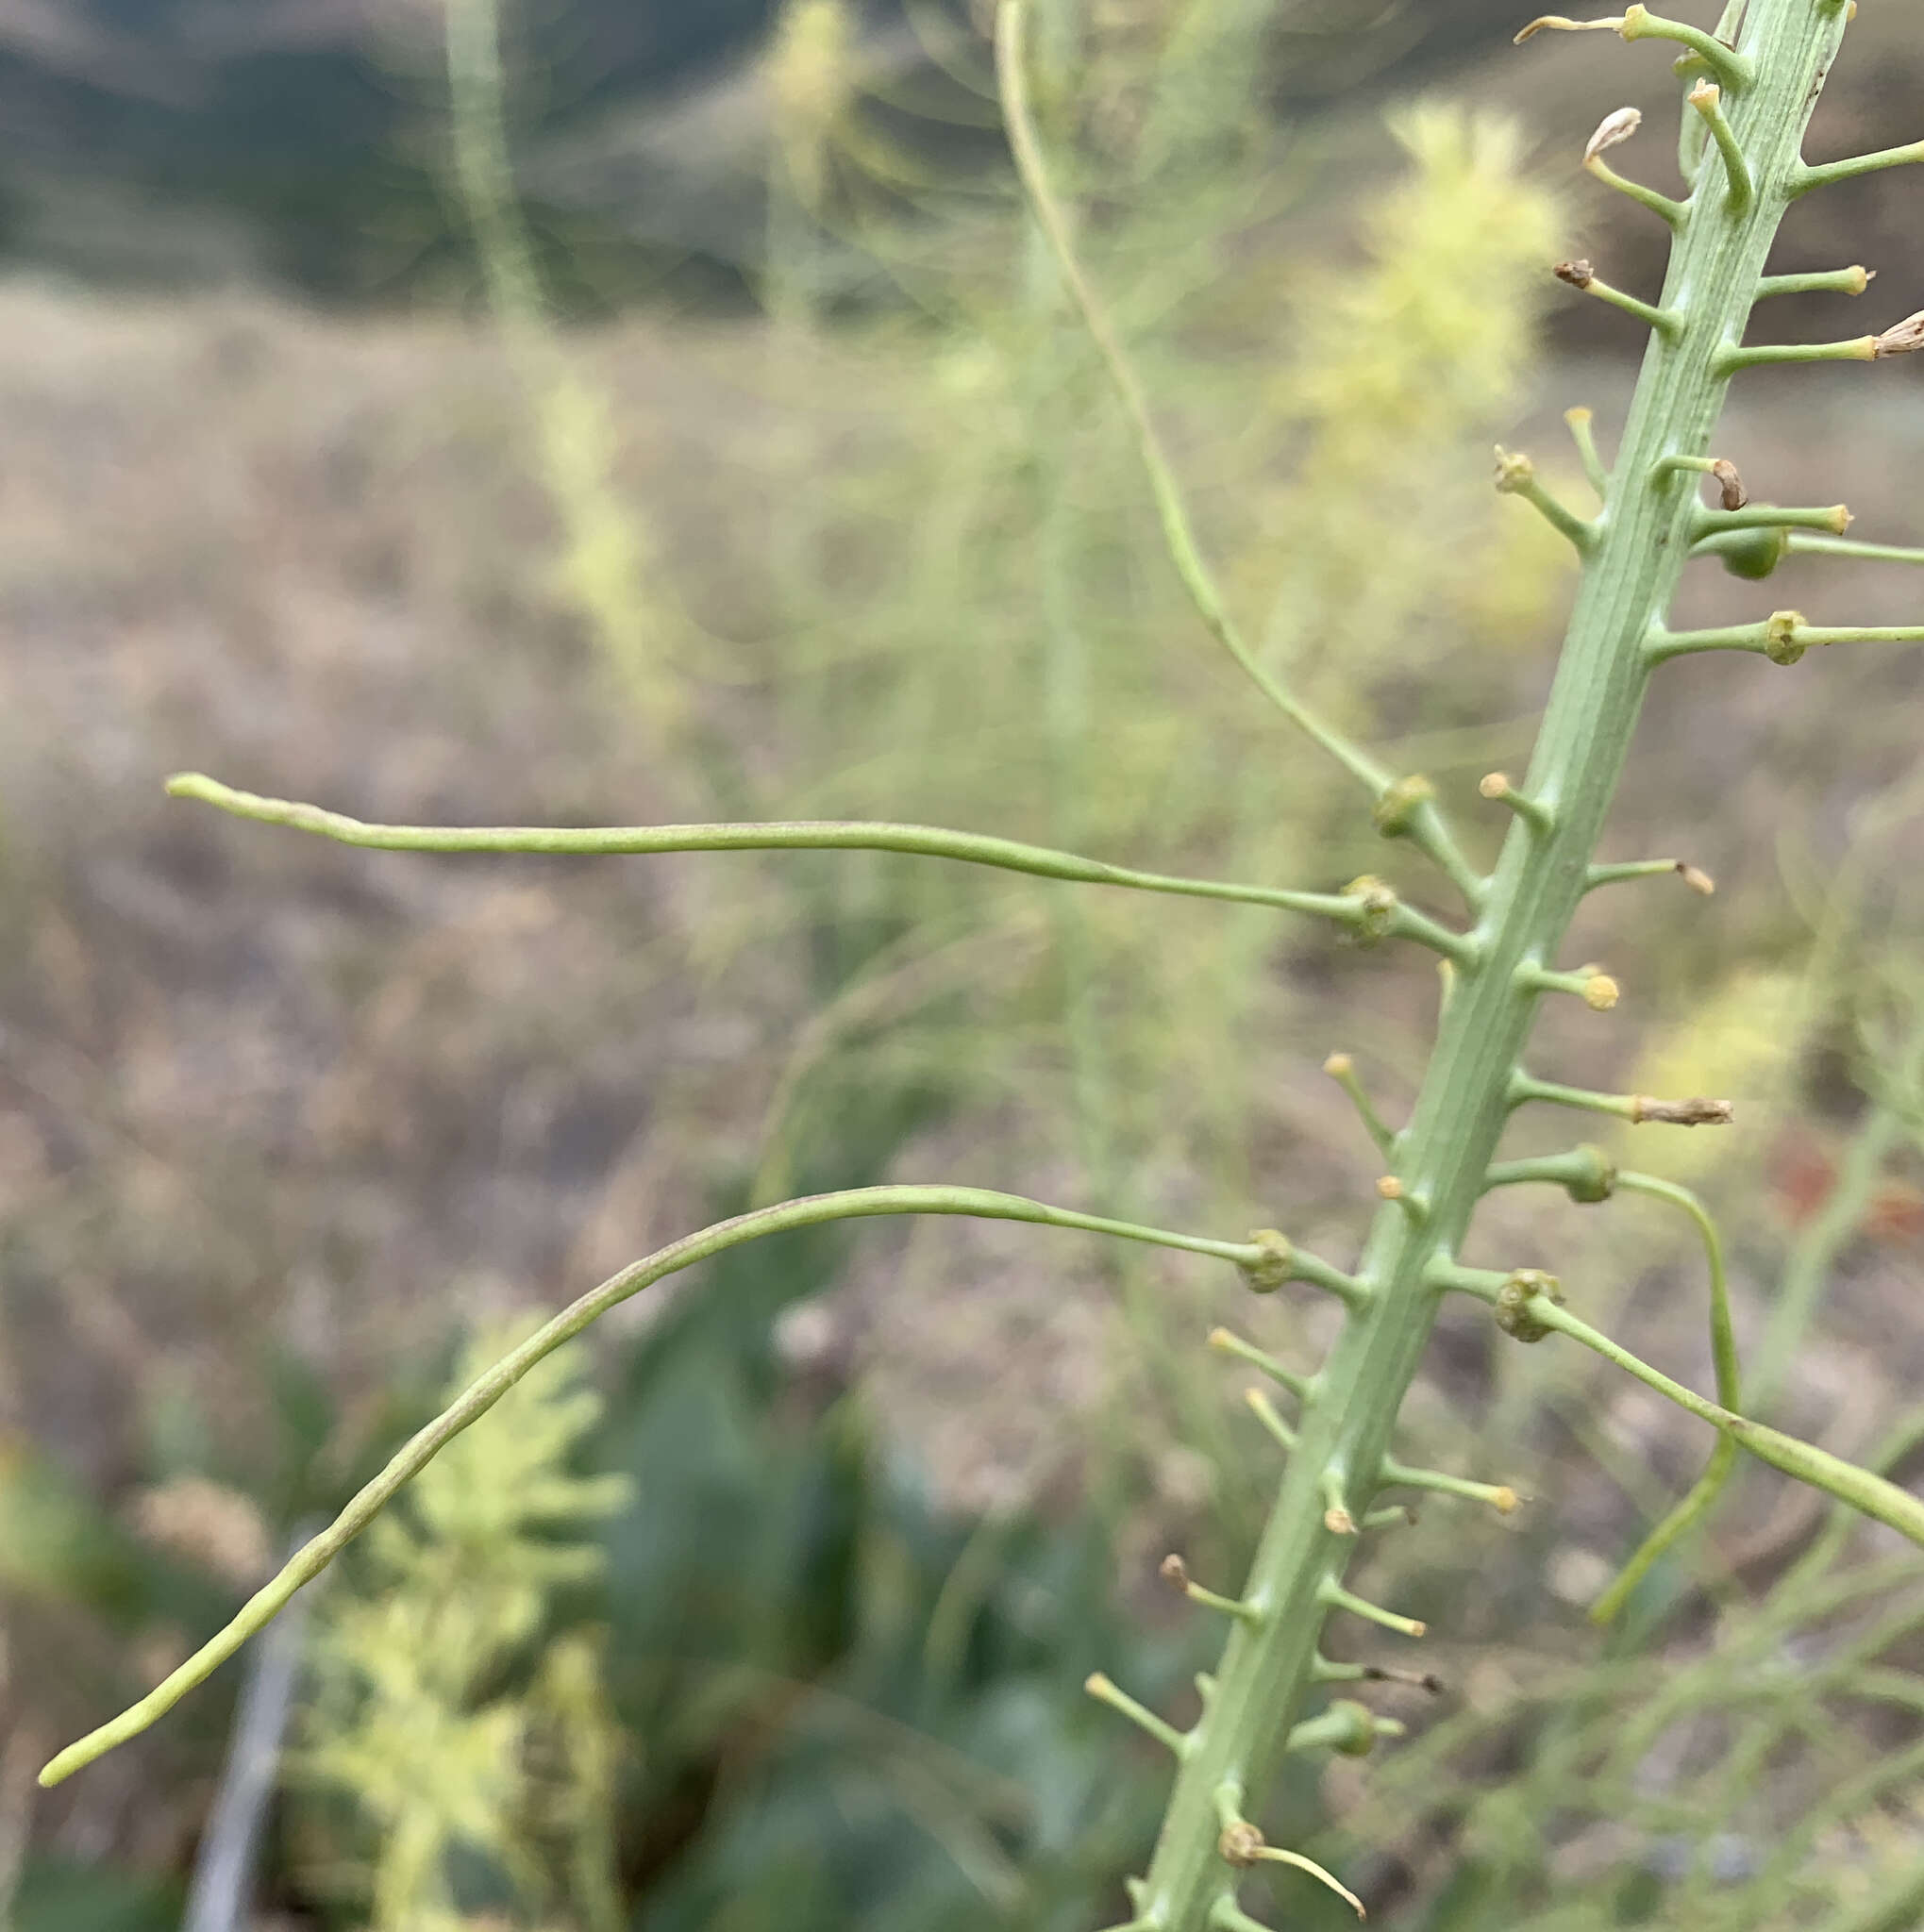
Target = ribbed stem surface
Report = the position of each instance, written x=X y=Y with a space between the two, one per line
x=1643 y=540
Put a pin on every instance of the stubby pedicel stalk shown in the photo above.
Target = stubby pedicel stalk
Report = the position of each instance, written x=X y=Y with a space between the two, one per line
x=1748 y=102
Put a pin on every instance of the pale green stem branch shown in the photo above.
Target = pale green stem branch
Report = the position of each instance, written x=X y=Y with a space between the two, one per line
x=1428 y=831
x=1832 y=518
x=1836 y=281
x=1730 y=361
x=1670 y=213
x=1804 y=543
x=1372 y=915
x=1342 y=1069
x=1708 y=100
x=1516 y=477
x=1581 y=425
x=483 y=1394
x=1666 y=322
x=1617 y=872
x=1185 y=553
x=1736 y=71
x=1703 y=1494
x=1806 y=178
x=1639 y=23
x=1586 y=1173
x=1783 y=638
x=1872 y=1495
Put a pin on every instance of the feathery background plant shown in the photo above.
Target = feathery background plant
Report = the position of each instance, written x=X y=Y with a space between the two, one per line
x=426 y=1711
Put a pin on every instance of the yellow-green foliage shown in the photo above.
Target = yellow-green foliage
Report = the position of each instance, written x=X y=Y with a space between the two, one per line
x=812 y=68
x=1739 y=1042
x=605 y=571
x=985 y=577
x=1732 y=1768
x=995 y=584
x=1386 y=539
x=424 y=1712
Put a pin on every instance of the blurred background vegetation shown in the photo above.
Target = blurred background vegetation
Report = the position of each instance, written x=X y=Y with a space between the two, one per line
x=605 y=414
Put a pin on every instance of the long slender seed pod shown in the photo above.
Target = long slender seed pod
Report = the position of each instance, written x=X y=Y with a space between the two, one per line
x=852 y=1204
x=1367 y=908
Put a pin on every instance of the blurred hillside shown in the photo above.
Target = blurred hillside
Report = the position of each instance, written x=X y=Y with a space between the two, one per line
x=184 y=141
x=302 y=145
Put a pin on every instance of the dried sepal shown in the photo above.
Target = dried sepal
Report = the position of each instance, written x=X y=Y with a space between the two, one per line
x=1781 y=642
x=1562 y=23
x=1514 y=1298
x=1273 y=1264
x=1242 y=1846
x=1694 y=1112
x=1906 y=339
x=1612 y=131
x=1376 y=903
x=1417 y=1680
x=1590 y=1181
x=1397 y=808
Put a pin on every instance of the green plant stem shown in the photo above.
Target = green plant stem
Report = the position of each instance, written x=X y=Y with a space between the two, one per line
x=1634 y=558
x=1836 y=281
x=1731 y=361
x=1671 y=213
x=1619 y=873
x=1872 y=1495
x=1178 y=532
x=1427 y=829
x=1763 y=639
x=1833 y=517
x=1629 y=575
x=1826 y=173
x=1703 y=1493
x=1736 y=71
x=1618 y=298
x=481 y=1396
x=1582 y=425
x=1706 y=102
x=928 y=841
x=1807 y=543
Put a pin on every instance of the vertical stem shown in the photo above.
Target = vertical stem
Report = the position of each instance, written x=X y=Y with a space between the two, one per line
x=1629 y=578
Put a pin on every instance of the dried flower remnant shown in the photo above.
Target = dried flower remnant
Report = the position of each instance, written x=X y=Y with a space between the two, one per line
x=1680 y=1113
x=1612 y=131
x=1562 y=23
x=1906 y=339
